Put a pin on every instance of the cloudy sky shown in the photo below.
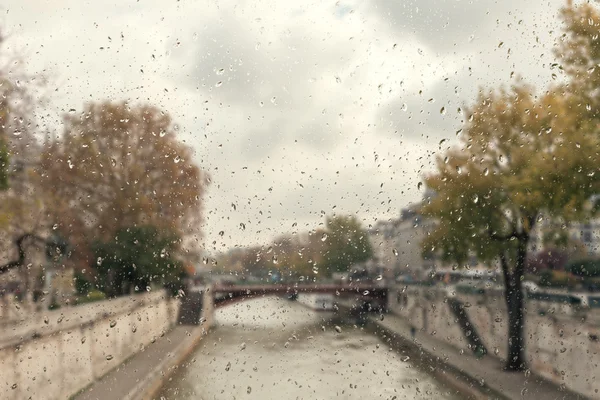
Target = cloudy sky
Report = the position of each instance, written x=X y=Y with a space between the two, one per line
x=296 y=109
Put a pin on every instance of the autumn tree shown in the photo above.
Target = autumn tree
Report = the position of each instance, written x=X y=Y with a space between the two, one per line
x=118 y=166
x=23 y=227
x=521 y=159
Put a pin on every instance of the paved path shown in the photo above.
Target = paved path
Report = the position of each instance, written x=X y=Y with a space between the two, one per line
x=141 y=375
x=487 y=370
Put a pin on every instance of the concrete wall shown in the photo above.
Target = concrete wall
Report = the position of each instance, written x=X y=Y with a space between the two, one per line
x=562 y=342
x=53 y=356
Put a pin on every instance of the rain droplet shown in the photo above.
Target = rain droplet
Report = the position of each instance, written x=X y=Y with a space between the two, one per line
x=46 y=320
x=273 y=99
x=220 y=71
x=405 y=358
x=109 y=357
x=228 y=366
x=243 y=346
x=404 y=107
x=323 y=237
x=54 y=227
x=496 y=351
x=14 y=386
x=379 y=277
x=395 y=252
x=443 y=110
x=338 y=329
x=366 y=292
x=249 y=390
x=218 y=84
x=419 y=185
x=475 y=199
x=338 y=79
x=113 y=324
x=83 y=339
x=99 y=261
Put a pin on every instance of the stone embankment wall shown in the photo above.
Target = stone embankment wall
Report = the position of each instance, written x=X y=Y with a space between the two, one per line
x=56 y=354
x=562 y=340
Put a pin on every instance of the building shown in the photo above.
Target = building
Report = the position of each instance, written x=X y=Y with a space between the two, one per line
x=397 y=243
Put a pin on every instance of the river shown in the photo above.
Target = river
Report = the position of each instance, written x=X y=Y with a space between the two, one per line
x=271 y=348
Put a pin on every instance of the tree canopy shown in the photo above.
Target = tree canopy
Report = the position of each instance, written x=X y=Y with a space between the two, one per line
x=118 y=166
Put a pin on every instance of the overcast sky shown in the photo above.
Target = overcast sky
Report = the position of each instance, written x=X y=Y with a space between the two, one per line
x=296 y=109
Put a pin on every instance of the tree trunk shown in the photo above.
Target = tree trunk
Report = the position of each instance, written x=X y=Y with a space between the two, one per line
x=513 y=292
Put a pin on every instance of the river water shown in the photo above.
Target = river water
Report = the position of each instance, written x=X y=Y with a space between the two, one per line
x=271 y=348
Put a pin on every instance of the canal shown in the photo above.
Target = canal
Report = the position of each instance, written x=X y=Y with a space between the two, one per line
x=271 y=348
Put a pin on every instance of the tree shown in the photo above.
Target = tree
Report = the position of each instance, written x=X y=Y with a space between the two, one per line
x=347 y=243
x=135 y=258
x=521 y=159
x=118 y=166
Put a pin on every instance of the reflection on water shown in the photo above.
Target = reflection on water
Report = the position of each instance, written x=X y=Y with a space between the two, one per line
x=275 y=349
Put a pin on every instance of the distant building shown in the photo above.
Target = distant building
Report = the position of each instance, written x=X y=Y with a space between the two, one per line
x=397 y=243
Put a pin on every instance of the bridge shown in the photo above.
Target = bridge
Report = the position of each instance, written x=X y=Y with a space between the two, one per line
x=366 y=295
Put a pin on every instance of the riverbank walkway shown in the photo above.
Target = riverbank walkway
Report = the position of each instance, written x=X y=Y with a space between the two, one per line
x=486 y=371
x=141 y=376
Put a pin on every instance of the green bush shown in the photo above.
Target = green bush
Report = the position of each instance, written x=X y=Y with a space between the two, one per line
x=82 y=285
x=93 y=295
x=584 y=268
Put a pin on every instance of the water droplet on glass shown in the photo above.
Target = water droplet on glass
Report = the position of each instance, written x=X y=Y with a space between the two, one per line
x=366 y=292
x=99 y=261
x=228 y=366
x=405 y=358
x=148 y=288
x=220 y=71
x=443 y=110
x=113 y=324
x=243 y=346
x=14 y=386
x=395 y=252
x=379 y=277
x=404 y=107
x=496 y=351
x=338 y=329
x=419 y=185
x=338 y=79
x=475 y=199
x=54 y=227
x=218 y=84
x=273 y=99
x=323 y=237
x=109 y=357
x=249 y=390
x=46 y=320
